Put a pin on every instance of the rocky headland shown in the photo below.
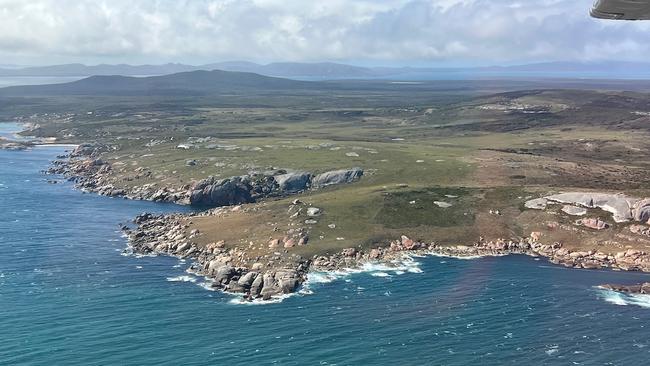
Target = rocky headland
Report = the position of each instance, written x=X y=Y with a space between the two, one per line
x=86 y=168
x=232 y=269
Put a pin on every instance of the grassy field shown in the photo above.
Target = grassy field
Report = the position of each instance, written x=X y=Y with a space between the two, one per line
x=437 y=161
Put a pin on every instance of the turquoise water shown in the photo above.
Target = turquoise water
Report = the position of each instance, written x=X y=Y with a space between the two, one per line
x=68 y=297
x=8 y=131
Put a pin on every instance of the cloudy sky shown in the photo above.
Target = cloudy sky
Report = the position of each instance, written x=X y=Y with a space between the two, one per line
x=371 y=32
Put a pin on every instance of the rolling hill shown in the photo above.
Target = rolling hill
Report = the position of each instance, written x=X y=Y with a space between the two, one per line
x=184 y=83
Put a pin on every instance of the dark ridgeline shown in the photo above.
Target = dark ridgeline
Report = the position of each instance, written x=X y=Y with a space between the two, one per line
x=184 y=83
x=332 y=70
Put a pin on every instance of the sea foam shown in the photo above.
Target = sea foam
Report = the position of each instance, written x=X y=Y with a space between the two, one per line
x=182 y=279
x=622 y=299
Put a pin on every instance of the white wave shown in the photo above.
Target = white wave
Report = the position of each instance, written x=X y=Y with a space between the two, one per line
x=322 y=277
x=380 y=274
x=182 y=279
x=207 y=285
x=461 y=257
x=239 y=300
x=621 y=299
x=405 y=264
x=552 y=350
x=128 y=252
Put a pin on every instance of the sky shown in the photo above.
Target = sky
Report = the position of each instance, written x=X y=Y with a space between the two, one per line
x=366 y=32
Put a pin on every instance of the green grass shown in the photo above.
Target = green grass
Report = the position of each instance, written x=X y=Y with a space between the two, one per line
x=417 y=208
x=417 y=146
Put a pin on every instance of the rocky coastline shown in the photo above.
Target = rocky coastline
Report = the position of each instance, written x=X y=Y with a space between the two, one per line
x=231 y=270
x=225 y=267
x=86 y=168
x=638 y=289
x=90 y=173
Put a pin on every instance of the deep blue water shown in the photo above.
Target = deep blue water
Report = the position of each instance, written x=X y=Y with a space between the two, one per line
x=68 y=297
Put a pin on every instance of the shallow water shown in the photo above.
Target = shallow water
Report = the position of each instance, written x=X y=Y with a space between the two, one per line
x=8 y=131
x=68 y=297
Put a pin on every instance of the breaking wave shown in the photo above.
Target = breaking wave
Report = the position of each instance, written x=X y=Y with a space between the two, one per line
x=622 y=299
x=183 y=278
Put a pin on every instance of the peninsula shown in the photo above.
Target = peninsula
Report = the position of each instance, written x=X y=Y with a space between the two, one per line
x=290 y=176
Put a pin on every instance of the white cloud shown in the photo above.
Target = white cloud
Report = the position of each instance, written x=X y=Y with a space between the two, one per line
x=378 y=31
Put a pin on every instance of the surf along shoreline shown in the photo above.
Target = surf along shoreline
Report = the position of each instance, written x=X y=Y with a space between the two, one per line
x=271 y=280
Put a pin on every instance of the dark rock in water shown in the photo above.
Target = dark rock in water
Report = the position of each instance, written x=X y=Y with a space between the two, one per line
x=293 y=182
x=337 y=177
x=643 y=288
x=225 y=192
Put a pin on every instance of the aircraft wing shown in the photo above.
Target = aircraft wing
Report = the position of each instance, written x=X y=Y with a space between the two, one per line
x=622 y=9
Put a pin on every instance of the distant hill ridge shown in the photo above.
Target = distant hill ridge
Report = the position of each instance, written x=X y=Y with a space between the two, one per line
x=321 y=70
x=185 y=83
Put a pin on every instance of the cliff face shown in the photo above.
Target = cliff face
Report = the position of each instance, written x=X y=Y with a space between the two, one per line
x=213 y=192
x=86 y=168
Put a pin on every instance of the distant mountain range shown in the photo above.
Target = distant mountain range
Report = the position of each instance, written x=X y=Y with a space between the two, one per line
x=328 y=70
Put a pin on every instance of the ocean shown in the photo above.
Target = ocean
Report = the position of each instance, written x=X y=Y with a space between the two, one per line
x=69 y=296
x=36 y=80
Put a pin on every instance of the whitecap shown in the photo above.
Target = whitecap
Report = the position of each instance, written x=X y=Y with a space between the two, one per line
x=321 y=277
x=551 y=350
x=182 y=279
x=207 y=285
x=380 y=274
x=621 y=299
x=239 y=300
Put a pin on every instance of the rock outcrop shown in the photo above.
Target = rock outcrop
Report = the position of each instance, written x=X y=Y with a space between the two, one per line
x=622 y=208
x=213 y=192
x=293 y=182
x=619 y=205
x=90 y=173
x=337 y=177
x=593 y=223
x=642 y=288
x=168 y=235
x=574 y=211
x=223 y=192
x=641 y=211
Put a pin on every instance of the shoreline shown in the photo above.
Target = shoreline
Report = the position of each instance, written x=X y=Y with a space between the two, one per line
x=20 y=142
x=167 y=235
